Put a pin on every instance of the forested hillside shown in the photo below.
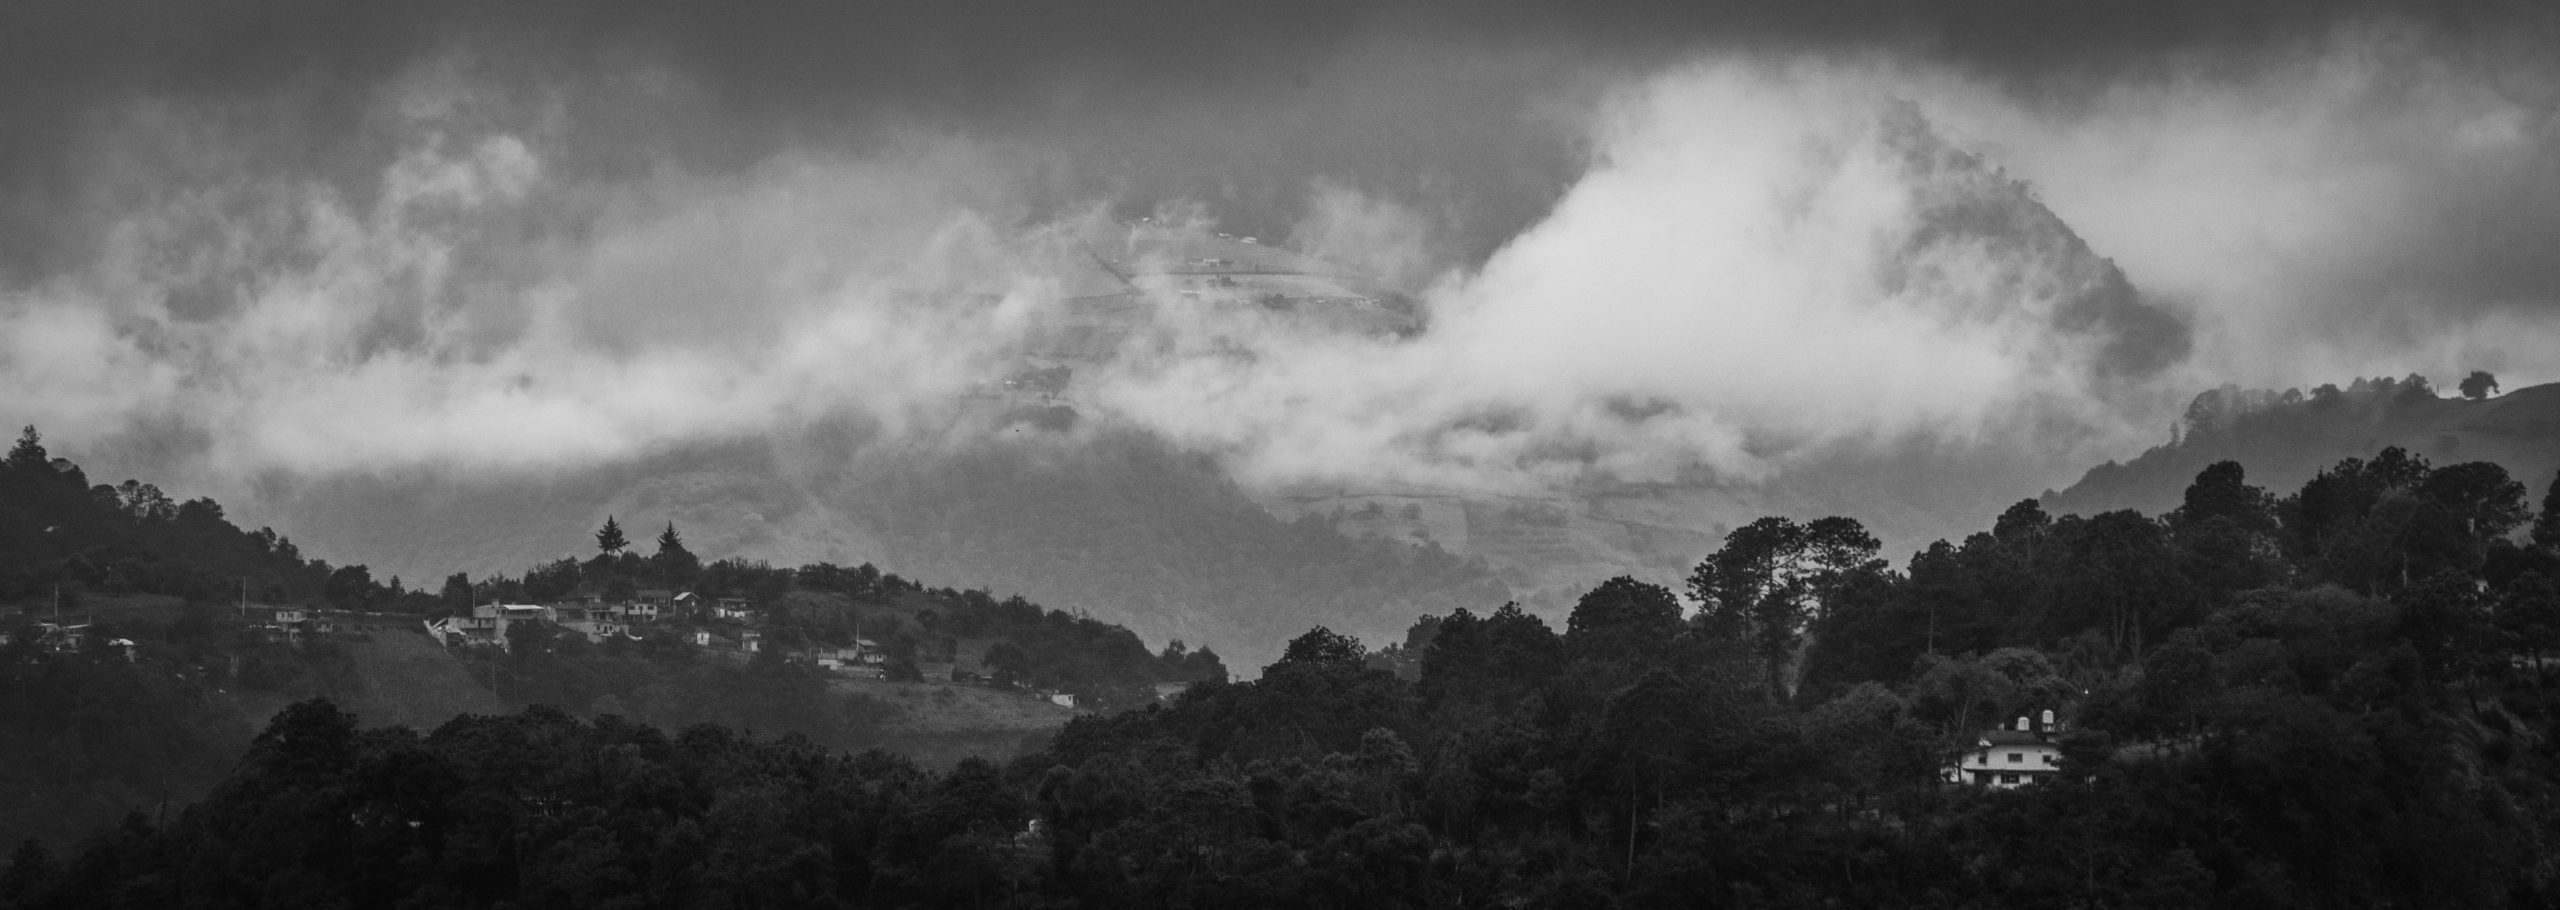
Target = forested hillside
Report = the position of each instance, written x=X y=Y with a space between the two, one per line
x=132 y=672
x=2336 y=697
x=57 y=531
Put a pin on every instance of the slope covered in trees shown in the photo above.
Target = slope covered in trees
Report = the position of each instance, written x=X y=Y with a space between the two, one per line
x=2337 y=697
x=57 y=531
x=92 y=729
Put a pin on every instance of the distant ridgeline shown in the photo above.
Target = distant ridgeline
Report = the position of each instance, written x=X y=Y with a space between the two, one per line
x=2284 y=437
x=57 y=530
x=2344 y=696
x=62 y=539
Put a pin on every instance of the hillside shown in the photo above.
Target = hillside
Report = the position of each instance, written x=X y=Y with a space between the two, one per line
x=141 y=645
x=2285 y=437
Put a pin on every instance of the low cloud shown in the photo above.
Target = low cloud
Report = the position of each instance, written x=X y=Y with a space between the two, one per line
x=1712 y=265
x=2372 y=199
x=1764 y=258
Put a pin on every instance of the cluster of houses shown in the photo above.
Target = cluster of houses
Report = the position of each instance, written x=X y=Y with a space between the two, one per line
x=717 y=624
x=714 y=624
x=63 y=638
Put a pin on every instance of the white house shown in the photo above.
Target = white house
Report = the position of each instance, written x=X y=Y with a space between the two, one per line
x=286 y=625
x=2012 y=756
x=487 y=624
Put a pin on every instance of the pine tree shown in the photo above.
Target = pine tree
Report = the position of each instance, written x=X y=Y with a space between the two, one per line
x=675 y=565
x=29 y=452
x=610 y=540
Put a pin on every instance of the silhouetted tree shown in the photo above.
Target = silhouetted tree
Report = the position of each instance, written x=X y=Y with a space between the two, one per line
x=2479 y=385
x=349 y=588
x=1771 y=579
x=609 y=539
x=1323 y=646
x=673 y=563
x=29 y=453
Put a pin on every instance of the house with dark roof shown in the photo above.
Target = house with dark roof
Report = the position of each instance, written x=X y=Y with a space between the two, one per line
x=2011 y=756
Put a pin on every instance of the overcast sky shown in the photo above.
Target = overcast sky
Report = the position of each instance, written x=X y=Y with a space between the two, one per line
x=244 y=237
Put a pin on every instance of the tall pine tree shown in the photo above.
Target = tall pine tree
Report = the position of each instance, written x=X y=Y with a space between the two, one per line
x=609 y=538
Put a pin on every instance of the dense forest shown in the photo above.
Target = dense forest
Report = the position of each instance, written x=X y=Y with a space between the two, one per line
x=2337 y=697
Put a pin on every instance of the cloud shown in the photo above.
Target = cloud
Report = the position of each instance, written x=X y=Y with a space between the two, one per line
x=296 y=329
x=2347 y=204
x=1642 y=251
x=1765 y=258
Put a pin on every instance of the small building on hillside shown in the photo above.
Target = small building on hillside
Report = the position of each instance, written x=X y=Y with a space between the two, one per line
x=59 y=638
x=839 y=659
x=2011 y=756
x=487 y=625
x=284 y=625
x=595 y=619
x=732 y=608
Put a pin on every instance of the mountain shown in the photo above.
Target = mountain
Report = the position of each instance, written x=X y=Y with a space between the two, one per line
x=1033 y=486
x=2285 y=437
